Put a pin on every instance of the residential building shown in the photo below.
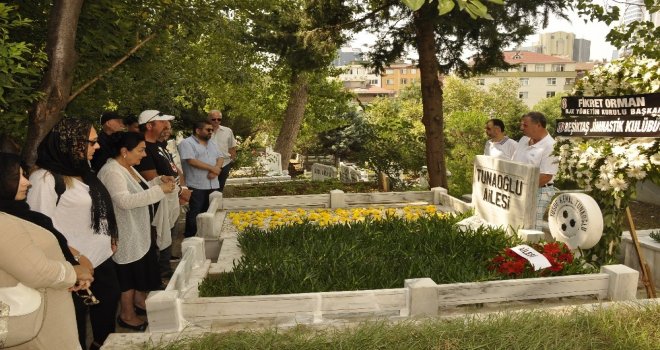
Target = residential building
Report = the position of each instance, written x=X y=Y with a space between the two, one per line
x=398 y=76
x=539 y=75
x=346 y=55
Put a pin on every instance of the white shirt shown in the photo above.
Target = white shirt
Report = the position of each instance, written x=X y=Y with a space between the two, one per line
x=538 y=154
x=131 y=203
x=224 y=138
x=503 y=149
x=72 y=215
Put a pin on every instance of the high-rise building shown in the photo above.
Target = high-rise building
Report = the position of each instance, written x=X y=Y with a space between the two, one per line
x=581 y=50
x=557 y=44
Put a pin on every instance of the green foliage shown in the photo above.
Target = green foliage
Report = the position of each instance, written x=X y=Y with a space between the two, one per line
x=21 y=65
x=365 y=255
x=395 y=136
x=655 y=235
x=639 y=38
x=291 y=188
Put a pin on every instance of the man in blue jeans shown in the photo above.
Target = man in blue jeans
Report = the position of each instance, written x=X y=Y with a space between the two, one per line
x=201 y=161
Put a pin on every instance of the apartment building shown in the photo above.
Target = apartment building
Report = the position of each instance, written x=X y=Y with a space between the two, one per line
x=540 y=76
x=398 y=76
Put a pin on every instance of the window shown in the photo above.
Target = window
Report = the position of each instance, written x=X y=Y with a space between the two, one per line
x=551 y=81
x=524 y=81
x=522 y=94
x=404 y=81
x=523 y=68
x=557 y=67
x=373 y=81
x=402 y=71
x=413 y=71
x=390 y=82
x=570 y=81
x=481 y=81
x=550 y=94
x=539 y=67
x=389 y=71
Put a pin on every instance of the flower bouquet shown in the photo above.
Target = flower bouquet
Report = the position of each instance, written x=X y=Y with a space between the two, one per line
x=508 y=264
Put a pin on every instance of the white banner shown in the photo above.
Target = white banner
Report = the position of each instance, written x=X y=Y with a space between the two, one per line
x=535 y=258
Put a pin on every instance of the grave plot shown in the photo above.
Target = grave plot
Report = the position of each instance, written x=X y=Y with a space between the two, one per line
x=180 y=307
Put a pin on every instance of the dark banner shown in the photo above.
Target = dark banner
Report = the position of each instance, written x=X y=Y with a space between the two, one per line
x=608 y=126
x=615 y=116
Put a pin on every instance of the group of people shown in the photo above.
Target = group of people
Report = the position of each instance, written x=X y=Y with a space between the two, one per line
x=535 y=148
x=94 y=230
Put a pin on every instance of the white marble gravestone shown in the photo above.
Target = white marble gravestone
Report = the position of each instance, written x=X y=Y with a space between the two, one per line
x=321 y=172
x=349 y=173
x=271 y=162
x=504 y=192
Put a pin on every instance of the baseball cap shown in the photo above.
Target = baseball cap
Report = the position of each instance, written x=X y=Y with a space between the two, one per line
x=151 y=115
x=109 y=115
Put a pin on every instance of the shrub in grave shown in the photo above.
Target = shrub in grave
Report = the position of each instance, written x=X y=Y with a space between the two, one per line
x=509 y=264
x=369 y=254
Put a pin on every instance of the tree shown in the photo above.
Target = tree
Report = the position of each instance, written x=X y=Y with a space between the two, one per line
x=441 y=33
x=20 y=68
x=300 y=36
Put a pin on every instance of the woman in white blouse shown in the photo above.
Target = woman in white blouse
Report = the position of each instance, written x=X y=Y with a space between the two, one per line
x=133 y=199
x=67 y=190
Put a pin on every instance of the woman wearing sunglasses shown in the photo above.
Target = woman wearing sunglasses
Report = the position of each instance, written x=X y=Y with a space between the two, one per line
x=34 y=271
x=66 y=189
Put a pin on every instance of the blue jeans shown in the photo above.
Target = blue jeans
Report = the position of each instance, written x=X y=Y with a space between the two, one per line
x=199 y=202
x=224 y=175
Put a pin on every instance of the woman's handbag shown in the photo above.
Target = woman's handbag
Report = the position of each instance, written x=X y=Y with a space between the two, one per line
x=26 y=314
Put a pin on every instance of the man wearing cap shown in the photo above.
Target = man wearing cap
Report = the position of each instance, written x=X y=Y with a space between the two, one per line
x=536 y=148
x=201 y=161
x=224 y=138
x=159 y=162
x=111 y=123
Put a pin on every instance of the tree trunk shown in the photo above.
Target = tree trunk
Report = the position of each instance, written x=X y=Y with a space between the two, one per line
x=431 y=96
x=58 y=79
x=293 y=117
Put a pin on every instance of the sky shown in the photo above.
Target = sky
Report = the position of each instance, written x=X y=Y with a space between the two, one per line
x=593 y=31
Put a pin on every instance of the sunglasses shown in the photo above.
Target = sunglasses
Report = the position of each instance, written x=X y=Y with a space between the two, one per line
x=87 y=297
x=216 y=119
x=159 y=114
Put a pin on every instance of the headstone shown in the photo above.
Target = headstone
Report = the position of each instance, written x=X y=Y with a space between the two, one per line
x=349 y=173
x=271 y=162
x=322 y=172
x=504 y=192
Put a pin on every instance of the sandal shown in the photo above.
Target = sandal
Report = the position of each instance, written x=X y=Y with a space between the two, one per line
x=139 y=328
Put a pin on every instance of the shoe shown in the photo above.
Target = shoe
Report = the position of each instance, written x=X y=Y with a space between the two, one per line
x=174 y=259
x=140 y=328
x=140 y=311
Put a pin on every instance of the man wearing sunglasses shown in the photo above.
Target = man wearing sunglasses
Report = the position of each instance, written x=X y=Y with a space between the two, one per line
x=201 y=161
x=224 y=138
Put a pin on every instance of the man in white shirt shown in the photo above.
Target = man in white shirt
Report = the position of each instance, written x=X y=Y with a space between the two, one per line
x=224 y=138
x=498 y=145
x=536 y=148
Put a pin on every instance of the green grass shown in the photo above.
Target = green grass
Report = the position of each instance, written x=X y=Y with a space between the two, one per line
x=290 y=188
x=622 y=327
x=367 y=255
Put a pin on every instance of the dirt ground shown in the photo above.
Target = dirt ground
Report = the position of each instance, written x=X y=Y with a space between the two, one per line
x=645 y=216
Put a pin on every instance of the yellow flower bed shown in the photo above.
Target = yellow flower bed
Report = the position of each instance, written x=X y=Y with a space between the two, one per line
x=269 y=219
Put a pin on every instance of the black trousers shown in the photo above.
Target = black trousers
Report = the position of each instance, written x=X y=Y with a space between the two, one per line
x=102 y=315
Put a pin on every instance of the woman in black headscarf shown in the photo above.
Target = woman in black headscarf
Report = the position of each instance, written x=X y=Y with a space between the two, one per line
x=31 y=259
x=67 y=190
